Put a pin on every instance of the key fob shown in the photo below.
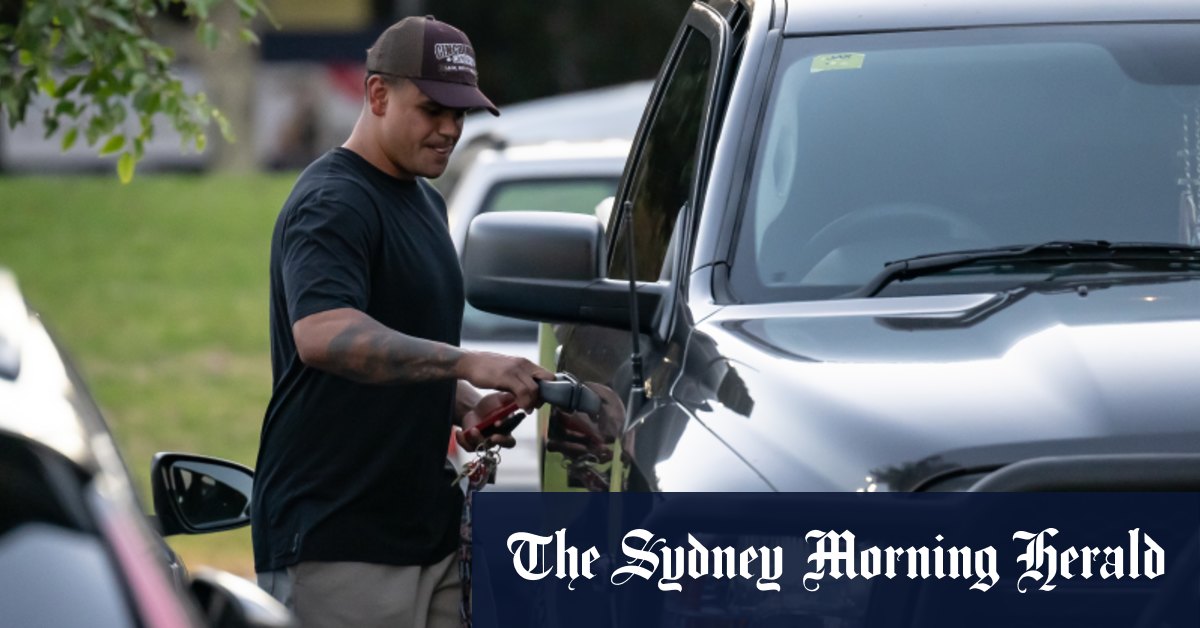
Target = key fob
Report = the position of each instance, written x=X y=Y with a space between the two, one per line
x=502 y=420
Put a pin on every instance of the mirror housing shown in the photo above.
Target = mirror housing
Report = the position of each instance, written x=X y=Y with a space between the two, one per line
x=228 y=601
x=199 y=494
x=548 y=266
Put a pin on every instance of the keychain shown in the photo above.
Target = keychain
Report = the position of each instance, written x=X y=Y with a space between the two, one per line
x=564 y=392
x=481 y=470
x=477 y=472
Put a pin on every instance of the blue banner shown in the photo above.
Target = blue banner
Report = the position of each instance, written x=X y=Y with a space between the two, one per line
x=762 y=560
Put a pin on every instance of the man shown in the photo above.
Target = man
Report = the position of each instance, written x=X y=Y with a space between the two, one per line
x=355 y=518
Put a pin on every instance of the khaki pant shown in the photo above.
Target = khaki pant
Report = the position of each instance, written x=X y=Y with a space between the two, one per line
x=364 y=594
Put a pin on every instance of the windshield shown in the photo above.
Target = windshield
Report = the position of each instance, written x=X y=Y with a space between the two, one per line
x=886 y=146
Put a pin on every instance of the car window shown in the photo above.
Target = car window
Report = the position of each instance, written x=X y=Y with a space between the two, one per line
x=480 y=325
x=575 y=195
x=661 y=181
x=882 y=147
x=53 y=576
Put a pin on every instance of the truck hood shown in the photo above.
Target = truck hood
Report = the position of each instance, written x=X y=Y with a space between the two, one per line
x=895 y=393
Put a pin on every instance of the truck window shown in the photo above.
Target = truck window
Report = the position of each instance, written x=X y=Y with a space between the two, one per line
x=661 y=181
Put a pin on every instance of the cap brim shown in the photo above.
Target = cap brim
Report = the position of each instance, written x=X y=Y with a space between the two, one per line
x=455 y=95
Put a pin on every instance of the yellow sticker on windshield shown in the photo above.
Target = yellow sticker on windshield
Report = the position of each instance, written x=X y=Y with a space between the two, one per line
x=839 y=61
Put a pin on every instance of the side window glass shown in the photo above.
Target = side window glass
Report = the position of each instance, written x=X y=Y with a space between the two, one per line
x=577 y=195
x=661 y=182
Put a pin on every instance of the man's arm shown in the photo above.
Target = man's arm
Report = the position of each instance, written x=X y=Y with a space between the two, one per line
x=347 y=342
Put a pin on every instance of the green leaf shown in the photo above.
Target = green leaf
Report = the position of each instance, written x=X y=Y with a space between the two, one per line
x=153 y=103
x=8 y=104
x=65 y=19
x=247 y=8
x=38 y=15
x=25 y=57
x=250 y=37
x=69 y=138
x=164 y=55
x=132 y=56
x=170 y=105
x=196 y=8
x=68 y=85
x=20 y=97
x=209 y=35
x=47 y=86
x=51 y=125
x=95 y=129
x=74 y=58
x=65 y=107
x=114 y=18
x=226 y=128
x=106 y=84
x=125 y=166
x=265 y=11
x=114 y=144
x=201 y=142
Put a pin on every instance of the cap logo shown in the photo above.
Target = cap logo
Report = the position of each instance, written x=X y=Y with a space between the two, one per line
x=455 y=57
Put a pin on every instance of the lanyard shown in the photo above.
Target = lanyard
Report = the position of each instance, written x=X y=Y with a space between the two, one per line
x=478 y=473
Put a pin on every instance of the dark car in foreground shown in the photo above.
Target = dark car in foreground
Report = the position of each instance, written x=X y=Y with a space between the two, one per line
x=887 y=246
x=75 y=546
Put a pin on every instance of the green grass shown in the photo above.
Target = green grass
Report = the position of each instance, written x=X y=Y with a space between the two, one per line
x=158 y=289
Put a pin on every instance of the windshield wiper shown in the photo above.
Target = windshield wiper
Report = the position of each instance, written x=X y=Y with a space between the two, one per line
x=1056 y=252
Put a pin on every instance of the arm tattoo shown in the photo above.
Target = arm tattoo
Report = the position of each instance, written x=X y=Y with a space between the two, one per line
x=372 y=353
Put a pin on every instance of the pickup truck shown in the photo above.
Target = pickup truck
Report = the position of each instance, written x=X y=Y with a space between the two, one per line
x=886 y=246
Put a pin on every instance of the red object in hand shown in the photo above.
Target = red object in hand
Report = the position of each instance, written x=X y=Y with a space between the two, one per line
x=501 y=420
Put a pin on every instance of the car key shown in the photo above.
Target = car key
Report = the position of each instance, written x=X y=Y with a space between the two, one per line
x=502 y=420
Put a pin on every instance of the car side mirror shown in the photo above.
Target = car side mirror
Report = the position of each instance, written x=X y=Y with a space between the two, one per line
x=228 y=601
x=547 y=266
x=199 y=494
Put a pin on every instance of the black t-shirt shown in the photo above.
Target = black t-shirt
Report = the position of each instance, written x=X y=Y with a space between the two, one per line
x=349 y=471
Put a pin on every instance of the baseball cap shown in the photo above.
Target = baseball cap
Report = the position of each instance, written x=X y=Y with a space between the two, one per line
x=434 y=55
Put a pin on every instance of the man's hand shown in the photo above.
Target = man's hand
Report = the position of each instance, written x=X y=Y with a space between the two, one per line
x=501 y=372
x=469 y=437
